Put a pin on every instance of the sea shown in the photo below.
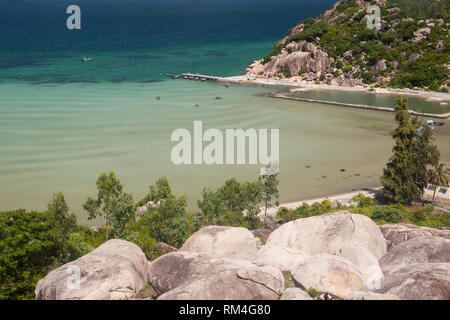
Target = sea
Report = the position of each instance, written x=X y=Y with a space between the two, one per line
x=64 y=121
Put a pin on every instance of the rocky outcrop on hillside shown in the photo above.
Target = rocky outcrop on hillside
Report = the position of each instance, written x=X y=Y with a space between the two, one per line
x=294 y=59
x=335 y=255
x=344 y=47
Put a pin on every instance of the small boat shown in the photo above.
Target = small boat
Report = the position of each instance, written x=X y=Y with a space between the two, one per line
x=84 y=59
x=227 y=84
x=439 y=124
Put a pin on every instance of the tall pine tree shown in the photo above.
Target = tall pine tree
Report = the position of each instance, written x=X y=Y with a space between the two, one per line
x=398 y=179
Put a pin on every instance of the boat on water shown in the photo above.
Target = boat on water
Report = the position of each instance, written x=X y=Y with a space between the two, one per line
x=227 y=84
x=432 y=124
x=84 y=59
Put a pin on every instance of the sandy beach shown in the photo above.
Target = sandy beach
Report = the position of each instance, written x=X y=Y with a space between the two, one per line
x=306 y=85
x=344 y=198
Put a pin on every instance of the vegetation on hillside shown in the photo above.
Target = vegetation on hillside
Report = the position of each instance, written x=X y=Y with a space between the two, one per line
x=410 y=60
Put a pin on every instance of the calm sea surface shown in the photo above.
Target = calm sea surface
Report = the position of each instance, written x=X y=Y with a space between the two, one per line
x=63 y=122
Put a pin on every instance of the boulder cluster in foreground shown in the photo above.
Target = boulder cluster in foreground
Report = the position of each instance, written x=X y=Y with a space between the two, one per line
x=343 y=255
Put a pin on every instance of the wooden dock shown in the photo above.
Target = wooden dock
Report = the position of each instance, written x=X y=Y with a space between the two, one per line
x=202 y=77
x=197 y=76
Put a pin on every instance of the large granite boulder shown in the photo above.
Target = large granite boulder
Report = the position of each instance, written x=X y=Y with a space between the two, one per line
x=295 y=294
x=330 y=233
x=229 y=242
x=294 y=58
x=175 y=269
x=220 y=279
x=420 y=281
x=114 y=271
x=328 y=274
x=366 y=295
x=365 y=262
x=282 y=258
x=416 y=250
x=398 y=233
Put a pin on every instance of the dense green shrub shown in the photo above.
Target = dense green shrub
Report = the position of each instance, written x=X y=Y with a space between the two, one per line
x=226 y=205
x=389 y=214
x=32 y=244
x=166 y=219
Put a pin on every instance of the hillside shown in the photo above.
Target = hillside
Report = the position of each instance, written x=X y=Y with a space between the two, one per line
x=410 y=50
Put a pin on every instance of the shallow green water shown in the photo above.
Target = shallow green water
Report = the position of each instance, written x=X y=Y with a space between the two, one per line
x=372 y=99
x=61 y=137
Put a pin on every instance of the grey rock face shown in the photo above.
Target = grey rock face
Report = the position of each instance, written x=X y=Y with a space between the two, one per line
x=175 y=269
x=116 y=270
x=365 y=295
x=282 y=258
x=295 y=294
x=416 y=250
x=379 y=66
x=330 y=233
x=328 y=273
x=398 y=233
x=365 y=262
x=229 y=242
x=423 y=281
x=294 y=58
x=230 y=283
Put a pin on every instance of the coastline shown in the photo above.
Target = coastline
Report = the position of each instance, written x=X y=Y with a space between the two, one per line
x=302 y=86
x=344 y=198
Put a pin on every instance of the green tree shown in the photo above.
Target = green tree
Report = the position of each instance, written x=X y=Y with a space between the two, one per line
x=425 y=154
x=439 y=177
x=29 y=249
x=112 y=203
x=166 y=218
x=270 y=190
x=60 y=210
x=398 y=178
x=234 y=203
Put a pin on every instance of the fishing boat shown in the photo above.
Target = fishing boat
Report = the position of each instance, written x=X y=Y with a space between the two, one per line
x=84 y=59
x=227 y=84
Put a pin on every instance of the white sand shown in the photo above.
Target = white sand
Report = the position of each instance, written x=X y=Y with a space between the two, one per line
x=344 y=198
x=306 y=85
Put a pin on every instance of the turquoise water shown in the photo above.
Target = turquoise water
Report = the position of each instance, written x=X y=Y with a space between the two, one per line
x=60 y=137
x=63 y=122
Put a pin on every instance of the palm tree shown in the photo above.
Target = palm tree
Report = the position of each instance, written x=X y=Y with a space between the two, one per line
x=439 y=176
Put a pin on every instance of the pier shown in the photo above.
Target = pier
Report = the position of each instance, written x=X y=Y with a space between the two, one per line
x=202 y=77
x=283 y=95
